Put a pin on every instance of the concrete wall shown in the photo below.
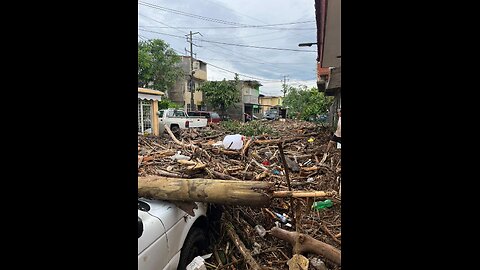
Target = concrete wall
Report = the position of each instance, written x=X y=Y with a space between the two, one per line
x=332 y=42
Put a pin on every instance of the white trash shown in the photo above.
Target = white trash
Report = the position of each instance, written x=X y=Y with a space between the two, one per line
x=260 y=230
x=218 y=144
x=178 y=156
x=198 y=263
x=234 y=142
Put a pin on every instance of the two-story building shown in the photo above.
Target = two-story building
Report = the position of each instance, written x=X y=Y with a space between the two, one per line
x=181 y=93
x=249 y=92
x=267 y=102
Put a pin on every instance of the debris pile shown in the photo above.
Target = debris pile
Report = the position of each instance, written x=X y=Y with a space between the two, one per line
x=293 y=231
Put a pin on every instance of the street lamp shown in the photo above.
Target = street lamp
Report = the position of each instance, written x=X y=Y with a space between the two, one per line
x=308 y=44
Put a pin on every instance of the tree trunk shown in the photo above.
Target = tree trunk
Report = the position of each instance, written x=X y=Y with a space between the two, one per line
x=230 y=192
x=308 y=244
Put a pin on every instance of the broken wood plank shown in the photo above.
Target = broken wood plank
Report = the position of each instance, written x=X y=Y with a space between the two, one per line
x=303 y=194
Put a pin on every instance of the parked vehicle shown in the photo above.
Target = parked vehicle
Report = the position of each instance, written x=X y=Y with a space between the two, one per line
x=168 y=237
x=212 y=117
x=272 y=114
x=177 y=119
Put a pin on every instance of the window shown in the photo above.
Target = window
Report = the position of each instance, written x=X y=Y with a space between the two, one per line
x=144 y=116
x=179 y=113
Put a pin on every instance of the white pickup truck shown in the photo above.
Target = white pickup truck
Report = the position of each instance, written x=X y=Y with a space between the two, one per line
x=177 y=119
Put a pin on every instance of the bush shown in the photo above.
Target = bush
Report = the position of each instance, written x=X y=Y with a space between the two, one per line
x=252 y=128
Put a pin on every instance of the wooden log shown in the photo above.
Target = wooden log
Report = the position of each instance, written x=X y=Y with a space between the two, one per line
x=241 y=247
x=230 y=192
x=308 y=244
x=169 y=131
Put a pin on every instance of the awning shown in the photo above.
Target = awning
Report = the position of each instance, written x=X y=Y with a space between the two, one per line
x=149 y=97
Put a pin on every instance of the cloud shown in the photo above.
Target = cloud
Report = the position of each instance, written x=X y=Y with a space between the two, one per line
x=215 y=19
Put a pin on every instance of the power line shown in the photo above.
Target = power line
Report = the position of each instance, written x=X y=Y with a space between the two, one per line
x=176 y=28
x=238 y=25
x=231 y=44
x=256 y=47
x=276 y=63
x=236 y=11
x=234 y=27
x=161 y=33
x=238 y=73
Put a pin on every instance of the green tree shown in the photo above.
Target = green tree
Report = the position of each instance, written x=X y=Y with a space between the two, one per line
x=166 y=104
x=221 y=94
x=157 y=65
x=306 y=103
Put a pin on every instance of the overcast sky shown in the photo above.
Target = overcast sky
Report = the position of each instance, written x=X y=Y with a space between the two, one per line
x=226 y=24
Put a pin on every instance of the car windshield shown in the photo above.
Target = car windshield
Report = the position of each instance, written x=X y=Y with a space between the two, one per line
x=215 y=115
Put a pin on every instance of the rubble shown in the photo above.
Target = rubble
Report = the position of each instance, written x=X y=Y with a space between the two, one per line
x=235 y=237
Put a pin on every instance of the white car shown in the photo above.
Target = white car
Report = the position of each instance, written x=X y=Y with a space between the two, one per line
x=168 y=237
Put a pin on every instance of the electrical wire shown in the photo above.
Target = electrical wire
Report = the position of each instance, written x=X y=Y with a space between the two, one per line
x=236 y=24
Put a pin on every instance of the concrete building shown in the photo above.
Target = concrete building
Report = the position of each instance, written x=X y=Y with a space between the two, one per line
x=180 y=93
x=267 y=102
x=249 y=92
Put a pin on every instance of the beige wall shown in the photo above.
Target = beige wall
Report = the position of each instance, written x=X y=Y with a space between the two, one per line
x=333 y=27
x=268 y=102
x=200 y=74
x=197 y=96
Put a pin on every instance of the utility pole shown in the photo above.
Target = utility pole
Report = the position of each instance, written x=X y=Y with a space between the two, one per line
x=284 y=85
x=191 y=82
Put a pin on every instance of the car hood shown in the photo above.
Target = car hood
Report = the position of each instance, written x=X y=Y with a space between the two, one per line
x=163 y=210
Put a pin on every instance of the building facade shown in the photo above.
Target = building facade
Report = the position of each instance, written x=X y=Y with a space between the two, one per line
x=249 y=92
x=267 y=102
x=181 y=94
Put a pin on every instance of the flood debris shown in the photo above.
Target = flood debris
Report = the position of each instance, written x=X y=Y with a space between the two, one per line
x=269 y=222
